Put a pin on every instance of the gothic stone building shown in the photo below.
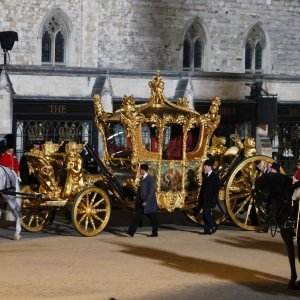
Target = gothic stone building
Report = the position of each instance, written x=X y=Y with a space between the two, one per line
x=69 y=50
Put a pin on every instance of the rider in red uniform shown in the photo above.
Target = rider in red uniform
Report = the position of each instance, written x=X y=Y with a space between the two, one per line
x=9 y=159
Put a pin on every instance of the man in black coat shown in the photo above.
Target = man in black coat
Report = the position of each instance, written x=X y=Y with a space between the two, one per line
x=146 y=203
x=208 y=197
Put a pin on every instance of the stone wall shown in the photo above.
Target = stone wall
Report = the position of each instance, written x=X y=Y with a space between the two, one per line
x=144 y=34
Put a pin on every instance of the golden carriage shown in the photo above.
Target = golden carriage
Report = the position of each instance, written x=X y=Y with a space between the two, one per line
x=173 y=139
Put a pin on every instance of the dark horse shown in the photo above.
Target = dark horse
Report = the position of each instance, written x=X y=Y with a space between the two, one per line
x=278 y=190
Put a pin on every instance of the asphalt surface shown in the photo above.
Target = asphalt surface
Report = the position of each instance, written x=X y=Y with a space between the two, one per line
x=179 y=264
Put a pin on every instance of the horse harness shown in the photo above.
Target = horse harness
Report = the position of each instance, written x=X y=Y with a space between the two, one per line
x=8 y=187
x=290 y=223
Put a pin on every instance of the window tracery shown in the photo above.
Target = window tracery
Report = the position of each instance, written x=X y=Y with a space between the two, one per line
x=193 y=46
x=54 y=40
x=255 y=49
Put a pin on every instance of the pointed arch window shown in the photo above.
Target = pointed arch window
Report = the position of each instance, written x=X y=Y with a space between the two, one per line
x=258 y=56
x=193 y=47
x=198 y=54
x=187 y=54
x=255 y=50
x=59 y=48
x=54 y=41
x=46 y=47
x=248 y=57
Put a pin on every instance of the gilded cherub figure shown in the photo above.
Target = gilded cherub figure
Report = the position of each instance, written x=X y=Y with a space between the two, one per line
x=74 y=165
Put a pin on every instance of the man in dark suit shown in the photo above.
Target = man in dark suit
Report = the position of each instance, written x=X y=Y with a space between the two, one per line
x=146 y=203
x=208 y=197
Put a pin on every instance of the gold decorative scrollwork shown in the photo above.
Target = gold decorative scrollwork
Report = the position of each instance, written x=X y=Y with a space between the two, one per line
x=184 y=102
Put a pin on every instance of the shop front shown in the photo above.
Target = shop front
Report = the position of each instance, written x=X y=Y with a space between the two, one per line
x=52 y=120
x=285 y=136
x=236 y=117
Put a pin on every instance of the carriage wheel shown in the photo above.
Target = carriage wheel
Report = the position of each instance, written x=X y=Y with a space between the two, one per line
x=219 y=212
x=35 y=215
x=91 y=211
x=241 y=205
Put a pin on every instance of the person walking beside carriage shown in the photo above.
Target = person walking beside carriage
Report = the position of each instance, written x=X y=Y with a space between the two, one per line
x=146 y=203
x=208 y=197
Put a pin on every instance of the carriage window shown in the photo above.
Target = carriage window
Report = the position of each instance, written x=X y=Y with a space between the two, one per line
x=150 y=137
x=192 y=139
x=118 y=145
x=173 y=142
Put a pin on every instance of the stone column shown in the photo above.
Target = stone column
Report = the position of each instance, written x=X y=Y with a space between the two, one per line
x=6 y=111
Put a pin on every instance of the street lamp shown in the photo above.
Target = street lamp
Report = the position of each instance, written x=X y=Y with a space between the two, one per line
x=7 y=40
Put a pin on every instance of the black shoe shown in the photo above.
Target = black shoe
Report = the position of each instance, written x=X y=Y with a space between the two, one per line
x=214 y=229
x=152 y=235
x=264 y=229
x=207 y=232
x=129 y=234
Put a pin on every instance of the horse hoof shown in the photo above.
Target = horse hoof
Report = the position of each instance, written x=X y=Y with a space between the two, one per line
x=17 y=236
x=293 y=285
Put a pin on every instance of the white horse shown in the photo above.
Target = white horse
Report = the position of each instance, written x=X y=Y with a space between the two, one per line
x=9 y=183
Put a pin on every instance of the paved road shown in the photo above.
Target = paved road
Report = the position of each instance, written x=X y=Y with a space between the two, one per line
x=179 y=264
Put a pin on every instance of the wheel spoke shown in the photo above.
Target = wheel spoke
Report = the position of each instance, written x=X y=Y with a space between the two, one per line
x=87 y=200
x=30 y=220
x=81 y=208
x=100 y=210
x=264 y=167
x=37 y=220
x=92 y=222
x=93 y=199
x=253 y=175
x=86 y=223
x=238 y=196
x=82 y=218
x=98 y=203
x=245 y=173
x=98 y=218
x=248 y=212
x=242 y=205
